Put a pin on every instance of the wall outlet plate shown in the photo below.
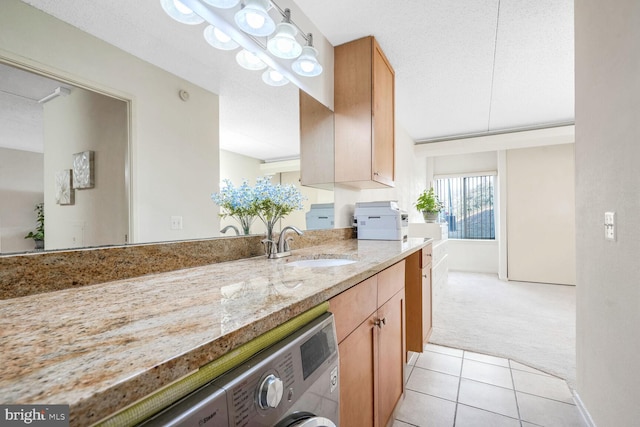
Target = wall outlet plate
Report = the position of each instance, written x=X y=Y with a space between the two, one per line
x=176 y=223
x=610 y=225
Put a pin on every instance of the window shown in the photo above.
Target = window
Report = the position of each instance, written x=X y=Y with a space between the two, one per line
x=468 y=206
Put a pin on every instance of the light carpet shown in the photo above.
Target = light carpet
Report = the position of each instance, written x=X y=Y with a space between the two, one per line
x=531 y=323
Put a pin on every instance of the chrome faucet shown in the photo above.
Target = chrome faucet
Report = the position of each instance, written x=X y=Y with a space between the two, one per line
x=283 y=242
x=224 y=230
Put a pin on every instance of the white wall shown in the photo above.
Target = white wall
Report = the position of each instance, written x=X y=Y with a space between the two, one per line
x=21 y=188
x=541 y=214
x=84 y=121
x=409 y=183
x=607 y=179
x=479 y=256
x=174 y=144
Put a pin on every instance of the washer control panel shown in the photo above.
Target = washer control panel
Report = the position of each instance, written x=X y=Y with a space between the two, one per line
x=263 y=389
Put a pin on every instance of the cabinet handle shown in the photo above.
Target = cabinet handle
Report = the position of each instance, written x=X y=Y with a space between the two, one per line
x=380 y=322
x=376 y=173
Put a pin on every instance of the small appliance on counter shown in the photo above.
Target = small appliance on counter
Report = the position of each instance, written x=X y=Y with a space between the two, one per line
x=320 y=216
x=381 y=221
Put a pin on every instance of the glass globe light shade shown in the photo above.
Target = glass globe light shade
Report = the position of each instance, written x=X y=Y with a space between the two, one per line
x=249 y=61
x=181 y=13
x=274 y=78
x=219 y=39
x=284 y=44
x=254 y=19
x=222 y=4
x=307 y=63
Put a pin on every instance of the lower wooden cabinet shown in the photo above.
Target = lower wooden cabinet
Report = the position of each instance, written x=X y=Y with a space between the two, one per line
x=372 y=347
x=419 y=295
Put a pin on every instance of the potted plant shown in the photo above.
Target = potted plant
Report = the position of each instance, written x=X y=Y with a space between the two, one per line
x=38 y=236
x=429 y=205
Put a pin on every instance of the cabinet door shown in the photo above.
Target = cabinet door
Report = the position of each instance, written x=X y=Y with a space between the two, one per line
x=391 y=350
x=413 y=286
x=357 y=380
x=427 y=319
x=383 y=132
x=352 y=107
x=316 y=143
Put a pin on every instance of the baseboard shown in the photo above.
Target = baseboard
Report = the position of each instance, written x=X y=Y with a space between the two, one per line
x=583 y=410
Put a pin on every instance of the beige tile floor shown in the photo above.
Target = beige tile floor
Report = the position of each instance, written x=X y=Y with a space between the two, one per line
x=451 y=387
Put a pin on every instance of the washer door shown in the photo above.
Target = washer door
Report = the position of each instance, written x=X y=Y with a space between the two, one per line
x=315 y=422
x=305 y=419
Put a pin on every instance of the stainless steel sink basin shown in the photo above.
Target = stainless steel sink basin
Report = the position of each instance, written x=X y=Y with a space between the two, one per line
x=321 y=262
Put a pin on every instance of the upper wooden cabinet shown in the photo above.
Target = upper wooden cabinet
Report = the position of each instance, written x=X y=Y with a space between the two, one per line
x=364 y=115
x=316 y=143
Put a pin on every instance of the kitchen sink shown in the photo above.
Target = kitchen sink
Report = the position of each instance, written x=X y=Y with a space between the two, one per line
x=321 y=262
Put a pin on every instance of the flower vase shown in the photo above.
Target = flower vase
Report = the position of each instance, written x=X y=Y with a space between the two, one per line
x=269 y=243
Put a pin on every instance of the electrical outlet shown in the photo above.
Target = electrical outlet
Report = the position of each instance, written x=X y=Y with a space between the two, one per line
x=610 y=225
x=176 y=223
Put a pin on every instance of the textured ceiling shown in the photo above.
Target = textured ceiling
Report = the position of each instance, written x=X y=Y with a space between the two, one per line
x=21 y=124
x=465 y=66
x=461 y=67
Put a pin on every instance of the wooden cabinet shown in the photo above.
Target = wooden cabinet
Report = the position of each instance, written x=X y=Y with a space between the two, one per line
x=316 y=143
x=370 y=326
x=364 y=115
x=419 y=296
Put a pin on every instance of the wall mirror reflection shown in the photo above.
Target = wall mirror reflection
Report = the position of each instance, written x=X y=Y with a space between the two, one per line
x=174 y=152
x=43 y=123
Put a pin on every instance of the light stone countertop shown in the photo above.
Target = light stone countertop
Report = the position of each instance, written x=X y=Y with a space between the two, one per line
x=102 y=347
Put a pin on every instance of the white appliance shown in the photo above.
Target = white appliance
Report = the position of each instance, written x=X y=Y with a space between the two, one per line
x=381 y=221
x=294 y=383
x=320 y=216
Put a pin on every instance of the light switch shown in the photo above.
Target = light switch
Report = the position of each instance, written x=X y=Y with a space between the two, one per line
x=610 y=225
x=176 y=223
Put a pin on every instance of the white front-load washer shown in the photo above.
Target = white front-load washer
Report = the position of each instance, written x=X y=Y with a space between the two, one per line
x=294 y=383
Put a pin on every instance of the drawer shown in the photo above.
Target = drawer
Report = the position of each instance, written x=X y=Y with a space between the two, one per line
x=440 y=271
x=439 y=251
x=426 y=256
x=390 y=281
x=354 y=306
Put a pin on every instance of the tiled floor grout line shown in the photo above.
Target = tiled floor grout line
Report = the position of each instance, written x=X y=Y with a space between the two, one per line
x=455 y=413
x=515 y=393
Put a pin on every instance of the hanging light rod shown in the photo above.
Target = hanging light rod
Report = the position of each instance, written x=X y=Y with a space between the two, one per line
x=243 y=23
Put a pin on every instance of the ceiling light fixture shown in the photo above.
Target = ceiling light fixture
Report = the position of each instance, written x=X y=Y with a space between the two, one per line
x=284 y=44
x=274 y=78
x=254 y=19
x=307 y=63
x=219 y=39
x=249 y=24
x=181 y=13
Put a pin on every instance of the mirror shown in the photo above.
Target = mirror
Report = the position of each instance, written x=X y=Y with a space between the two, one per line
x=54 y=135
x=165 y=179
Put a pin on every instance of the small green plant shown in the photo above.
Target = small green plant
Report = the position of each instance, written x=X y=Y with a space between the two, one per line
x=39 y=234
x=428 y=202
